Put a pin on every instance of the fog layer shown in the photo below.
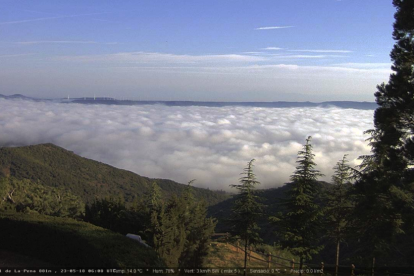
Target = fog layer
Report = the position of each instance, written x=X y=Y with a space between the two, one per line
x=209 y=144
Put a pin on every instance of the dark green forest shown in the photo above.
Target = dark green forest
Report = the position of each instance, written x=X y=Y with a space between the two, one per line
x=49 y=180
x=363 y=217
x=88 y=179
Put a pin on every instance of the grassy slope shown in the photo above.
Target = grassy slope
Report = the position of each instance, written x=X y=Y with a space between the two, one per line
x=70 y=243
x=57 y=167
x=222 y=255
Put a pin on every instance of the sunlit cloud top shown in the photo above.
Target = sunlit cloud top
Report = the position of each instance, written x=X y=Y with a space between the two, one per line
x=210 y=144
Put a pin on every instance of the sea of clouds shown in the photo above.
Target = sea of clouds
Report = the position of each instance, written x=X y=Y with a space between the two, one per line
x=209 y=144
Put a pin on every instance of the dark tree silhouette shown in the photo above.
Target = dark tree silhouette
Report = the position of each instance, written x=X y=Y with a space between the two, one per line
x=246 y=211
x=385 y=188
x=300 y=226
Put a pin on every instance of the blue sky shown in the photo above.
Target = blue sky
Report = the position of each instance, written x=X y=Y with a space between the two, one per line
x=218 y=50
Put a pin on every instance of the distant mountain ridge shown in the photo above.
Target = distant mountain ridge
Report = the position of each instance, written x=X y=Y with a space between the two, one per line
x=16 y=96
x=277 y=104
x=54 y=166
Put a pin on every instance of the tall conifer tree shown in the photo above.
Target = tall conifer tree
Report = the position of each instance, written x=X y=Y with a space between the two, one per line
x=394 y=118
x=385 y=188
x=181 y=230
x=339 y=205
x=199 y=229
x=246 y=211
x=154 y=199
x=299 y=227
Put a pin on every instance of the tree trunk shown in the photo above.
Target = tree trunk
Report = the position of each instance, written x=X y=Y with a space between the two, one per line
x=10 y=196
x=337 y=258
x=300 y=266
x=245 y=257
x=373 y=266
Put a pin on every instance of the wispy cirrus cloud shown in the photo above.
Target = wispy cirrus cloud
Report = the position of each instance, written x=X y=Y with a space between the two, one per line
x=272 y=48
x=270 y=80
x=273 y=27
x=38 y=12
x=233 y=72
x=323 y=51
x=47 y=18
x=362 y=70
x=280 y=70
x=154 y=57
x=366 y=65
x=253 y=53
x=193 y=60
x=270 y=65
x=15 y=55
x=55 y=42
x=307 y=56
x=35 y=42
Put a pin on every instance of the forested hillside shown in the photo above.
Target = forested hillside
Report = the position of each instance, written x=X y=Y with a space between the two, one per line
x=272 y=200
x=53 y=166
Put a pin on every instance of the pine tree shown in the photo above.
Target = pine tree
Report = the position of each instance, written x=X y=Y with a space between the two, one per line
x=339 y=205
x=299 y=227
x=385 y=188
x=246 y=210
